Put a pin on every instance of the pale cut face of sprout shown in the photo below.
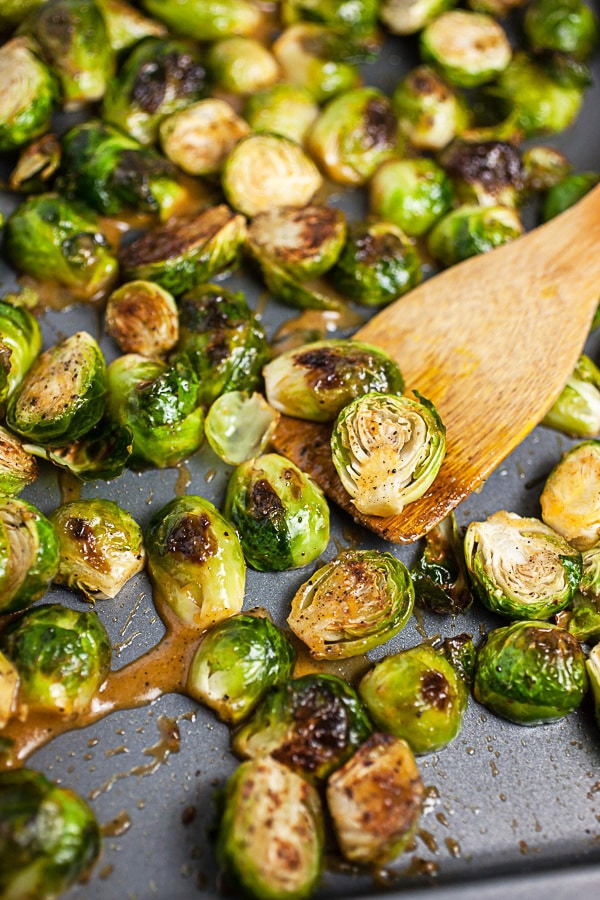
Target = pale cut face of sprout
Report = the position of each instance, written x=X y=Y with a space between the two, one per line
x=22 y=74
x=20 y=530
x=199 y=137
x=570 y=500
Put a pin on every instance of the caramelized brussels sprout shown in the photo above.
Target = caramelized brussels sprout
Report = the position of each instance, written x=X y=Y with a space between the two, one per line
x=159 y=403
x=568 y=26
x=417 y=695
x=18 y=466
x=280 y=513
x=126 y=25
x=430 y=113
x=439 y=572
x=100 y=547
x=351 y=18
x=241 y=65
x=62 y=656
x=28 y=554
x=468 y=48
x=543 y=167
x=520 y=567
x=359 y=600
x=20 y=343
x=471 y=229
x=411 y=16
x=593 y=673
x=73 y=39
x=264 y=171
x=283 y=108
x=63 y=394
x=53 y=239
x=207 y=20
x=376 y=800
x=102 y=452
x=387 y=450
x=570 y=499
x=142 y=317
x=186 y=251
x=237 y=662
x=317 y=59
x=530 y=672
x=312 y=724
x=36 y=166
x=566 y=192
x=354 y=134
x=223 y=340
x=195 y=562
x=317 y=380
x=411 y=193
x=49 y=839
x=157 y=77
x=270 y=838
x=490 y=173
x=576 y=411
x=238 y=426
x=28 y=94
x=378 y=264
x=199 y=138
x=9 y=689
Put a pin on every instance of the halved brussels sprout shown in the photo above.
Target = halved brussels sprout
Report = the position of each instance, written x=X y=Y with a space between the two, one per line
x=497 y=8
x=570 y=499
x=317 y=59
x=270 y=840
x=576 y=411
x=241 y=65
x=264 y=171
x=237 y=662
x=63 y=394
x=238 y=426
x=36 y=166
x=417 y=695
x=142 y=317
x=157 y=77
x=472 y=229
x=73 y=38
x=102 y=452
x=530 y=672
x=430 y=113
x=195 y=562
x=411 y=16
x=375 y=801
x=207 y=20
x=582 y=620
x=186 y=251
x=53 y=239
x=126 y=25
x=280 y=513
x=439 y=573
x=20 y=343
x=223 y=340
x=567 y=192
x=159 y=403
x=593 y=672
x=352 y=18
x=490 y=173
x=49 y=839
x=18 y=466
x=9 y=690
x=520 y=567
x=100 y=547
x=312 y=724
x=468 y=48
x=28 y=94
x=62 y=656
x=359 y=600
x=283 y=108
x=568 y=26
x=378 y=264
x=315 y=381
x=199 y=138
x=387 y=451
x=354 y=134
x=411 y=193
x=544 y=167
x=28 y=554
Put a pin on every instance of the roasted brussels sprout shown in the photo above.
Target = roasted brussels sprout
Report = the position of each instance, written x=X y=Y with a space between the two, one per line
x=49 y=838
x=28 y=94
x=468 y=48
x=375 y=801
x=63 y=394
x=195 y=562
x=52 y=239
x=241 y=65
x=264 y=171
x=352 y=18
x=418 y=695
x=36 y=166
x=543 y=167
x=378 y=264
x=282 y=108
x=430 y=113
x=9 y=689
x=570 y=499
x=207 y=20
x=239 y=425
x=411 y=193
x=317 y=59
x=498 y=8
x=20 y=343
x=126 y=25
x=223 y=340
x=62 y=656
x=270 y=838
x=200 y=137
x=280 y=513
x=530 y=672
x=566 y=192
x=490 y=173
x=593 y=672
x=471 y=229
x=312 y=724
x=156 y=78
x=387 y=450
x=102 y=452
x=28 y=554
x=568 y=26
x=237 y=662
x=520 y=567
x=359 y=600
x=100 y=547
x=354 y=134
x=317 y=380
x=439 y=572
x=411 y=16
x=74 y=41
x=576 y=412
x=159 y=403
x=186 y=251
x=18 y=466
x=142 y=318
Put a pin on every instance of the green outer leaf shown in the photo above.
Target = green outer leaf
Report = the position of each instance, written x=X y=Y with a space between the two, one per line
x=29 y=554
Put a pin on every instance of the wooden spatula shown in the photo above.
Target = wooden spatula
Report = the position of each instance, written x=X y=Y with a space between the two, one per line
x=491 y=341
